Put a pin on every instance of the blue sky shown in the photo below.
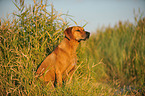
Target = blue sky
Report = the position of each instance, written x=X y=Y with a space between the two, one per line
x=96 y=12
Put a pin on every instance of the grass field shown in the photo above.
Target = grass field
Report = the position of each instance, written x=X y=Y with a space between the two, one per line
x=111 y=62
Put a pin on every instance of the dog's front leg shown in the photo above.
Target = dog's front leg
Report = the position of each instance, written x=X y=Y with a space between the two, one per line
x=69 y=73
x=59 y=78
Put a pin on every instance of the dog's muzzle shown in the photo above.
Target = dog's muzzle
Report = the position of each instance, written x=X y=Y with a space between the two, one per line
x=87 y=35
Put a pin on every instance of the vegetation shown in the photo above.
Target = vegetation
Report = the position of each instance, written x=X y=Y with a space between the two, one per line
x=111 y=62
x=116 y=56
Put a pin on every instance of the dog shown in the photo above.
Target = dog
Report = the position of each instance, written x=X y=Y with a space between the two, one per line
x=61 y=63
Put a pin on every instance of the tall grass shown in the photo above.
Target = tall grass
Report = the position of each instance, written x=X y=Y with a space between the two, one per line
x=25 y=41
x=111 y=62
x=117 y=55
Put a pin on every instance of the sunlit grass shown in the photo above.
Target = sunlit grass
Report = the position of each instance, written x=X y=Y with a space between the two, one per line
x=111 y=62
x=118 y=54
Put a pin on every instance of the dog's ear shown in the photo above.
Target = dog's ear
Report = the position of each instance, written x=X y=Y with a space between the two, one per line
x=68 y=33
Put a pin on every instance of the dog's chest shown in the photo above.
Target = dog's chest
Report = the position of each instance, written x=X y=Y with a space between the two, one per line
x=73 y=59
x=74 y=62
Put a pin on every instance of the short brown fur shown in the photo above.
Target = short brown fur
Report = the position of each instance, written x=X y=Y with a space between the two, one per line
x=61 y=63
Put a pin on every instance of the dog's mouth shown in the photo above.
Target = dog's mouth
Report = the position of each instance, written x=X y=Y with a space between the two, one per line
x=86 y=37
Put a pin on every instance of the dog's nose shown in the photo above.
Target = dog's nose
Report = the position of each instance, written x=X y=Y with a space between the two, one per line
x=87 y=34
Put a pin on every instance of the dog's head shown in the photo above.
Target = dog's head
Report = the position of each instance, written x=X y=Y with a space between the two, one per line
x=76 y=33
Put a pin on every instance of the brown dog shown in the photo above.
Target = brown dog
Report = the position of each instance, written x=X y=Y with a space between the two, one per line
x=61 y=62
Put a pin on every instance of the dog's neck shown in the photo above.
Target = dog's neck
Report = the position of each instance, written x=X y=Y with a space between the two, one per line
x=69 y=45
x=67 y=38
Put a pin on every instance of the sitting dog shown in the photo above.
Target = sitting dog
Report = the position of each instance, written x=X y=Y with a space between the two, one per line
x=61 y=63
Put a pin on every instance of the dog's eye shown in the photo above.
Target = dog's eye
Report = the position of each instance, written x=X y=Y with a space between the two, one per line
x=78 y=30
